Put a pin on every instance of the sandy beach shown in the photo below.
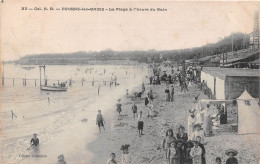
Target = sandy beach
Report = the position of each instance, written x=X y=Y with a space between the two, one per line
x=146 y=149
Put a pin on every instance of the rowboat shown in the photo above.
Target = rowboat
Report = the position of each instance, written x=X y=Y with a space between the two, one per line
x=54 y=88
x=60 y=88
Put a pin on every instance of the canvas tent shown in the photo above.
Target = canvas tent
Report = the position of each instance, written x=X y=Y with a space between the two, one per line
x=248 y=114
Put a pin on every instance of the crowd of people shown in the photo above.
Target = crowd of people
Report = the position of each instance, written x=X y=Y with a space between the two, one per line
x=179 y=148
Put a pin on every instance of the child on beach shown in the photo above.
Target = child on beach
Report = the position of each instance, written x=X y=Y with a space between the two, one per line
x=134 y=109
x=231 y=153
x=167 y=94
x=203 y=156
x=140 y=123
x=172 y=154
x=196 y=153
x=126 y=157
x=112 y=159
x=188 y=158
x=100 y=120
x=34 y=142
x=61 y=160
x=167 y=140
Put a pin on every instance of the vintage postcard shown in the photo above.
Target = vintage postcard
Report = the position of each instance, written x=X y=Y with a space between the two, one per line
x=120 y=82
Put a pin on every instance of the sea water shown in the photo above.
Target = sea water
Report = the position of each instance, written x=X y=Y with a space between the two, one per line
x=57 y=116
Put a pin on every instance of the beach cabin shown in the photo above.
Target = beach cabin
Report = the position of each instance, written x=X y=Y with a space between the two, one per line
x=229 y=83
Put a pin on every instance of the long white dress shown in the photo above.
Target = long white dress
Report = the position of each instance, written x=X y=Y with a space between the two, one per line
x=190 y=129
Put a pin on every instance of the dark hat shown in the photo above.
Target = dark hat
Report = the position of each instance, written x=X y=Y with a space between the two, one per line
x=197 y=124
x=180 y=141
x=123 y=147
x=181 y=127
x=192 y=111
x=231 y=151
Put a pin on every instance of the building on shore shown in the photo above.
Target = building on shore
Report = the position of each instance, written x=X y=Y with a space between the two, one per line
x=230 y=83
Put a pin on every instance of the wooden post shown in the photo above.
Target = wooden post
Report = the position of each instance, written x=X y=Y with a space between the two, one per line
x=98 y=89
x=223 y=59
x=40 y=77
x=3 y=77
x=70 y=81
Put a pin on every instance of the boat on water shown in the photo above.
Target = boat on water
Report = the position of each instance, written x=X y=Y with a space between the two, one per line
x=54 y=88
x=60 y=88
x=28 y=67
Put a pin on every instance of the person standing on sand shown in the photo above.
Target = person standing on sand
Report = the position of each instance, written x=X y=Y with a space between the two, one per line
x=207 y=122
x=191 y=121
x=172 y=94
x=146 y=101
x=140 y=123
x=172 y=154
x=100 y=121
x=167 y=140
x=231 y=153
x=181 y=135
x=197 y=132
x=134 y=109
x=13 y=114
x=203 y=156
x=196 y=153
x=126 y=157
x=143 y=87
x=118 y=106
x=188 y=158
x=151 y=80
x=112 y=159
x=167 y=94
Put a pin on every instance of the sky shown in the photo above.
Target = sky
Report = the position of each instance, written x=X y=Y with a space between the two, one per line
x=183 y=25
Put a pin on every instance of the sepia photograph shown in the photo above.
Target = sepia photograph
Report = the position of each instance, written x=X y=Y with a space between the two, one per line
x=129 y=82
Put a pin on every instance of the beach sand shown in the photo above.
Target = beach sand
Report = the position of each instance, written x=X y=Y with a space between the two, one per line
x=146 y=149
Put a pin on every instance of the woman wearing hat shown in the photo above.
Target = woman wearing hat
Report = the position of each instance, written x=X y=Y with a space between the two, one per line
x=191 y=121
x=197 y=132
x=231 y=153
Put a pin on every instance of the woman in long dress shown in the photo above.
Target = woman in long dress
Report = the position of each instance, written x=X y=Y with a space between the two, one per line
x=191 y=121
x=197 y=132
